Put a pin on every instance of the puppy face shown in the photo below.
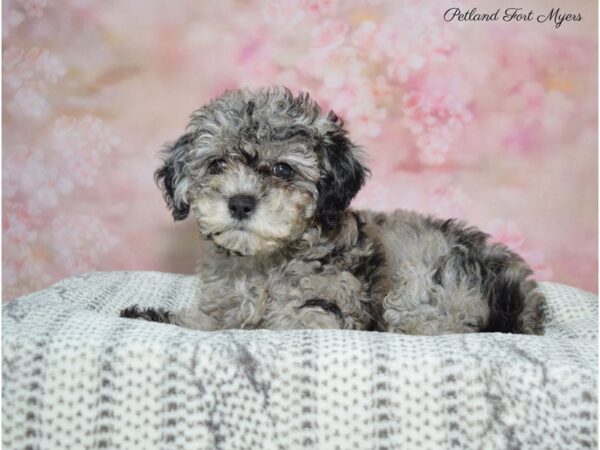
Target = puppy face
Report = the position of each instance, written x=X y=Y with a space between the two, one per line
x=256 y=198
x=256 y=168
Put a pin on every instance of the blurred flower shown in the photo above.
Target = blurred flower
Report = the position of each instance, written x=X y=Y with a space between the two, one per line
x=26 y=75
x=33 y=65
x=80 y=241
x=435 y=119
x=12 y=19
x=13 y=169
x=367 y=37
x=42 y=181
x=87 y=134
x=81 y=145
x=319 y=7
x=447 y=200
x=375 y=195
x=49 y=66
x=328 y=35
x=34 y=8
x=24 y=271
x=17 y=225
x=294 y=11
x=28 y=102
x=74 y=154
x=523 y=138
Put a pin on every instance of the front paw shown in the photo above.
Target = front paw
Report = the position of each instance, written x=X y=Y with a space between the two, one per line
x=149 y=314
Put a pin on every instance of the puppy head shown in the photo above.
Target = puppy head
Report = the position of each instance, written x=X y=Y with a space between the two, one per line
x=256 y=168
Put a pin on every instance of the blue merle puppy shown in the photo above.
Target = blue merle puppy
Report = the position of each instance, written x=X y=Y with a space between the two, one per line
x=268 y=178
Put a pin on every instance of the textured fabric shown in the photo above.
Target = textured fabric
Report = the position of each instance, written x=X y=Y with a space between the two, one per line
x=75 y=375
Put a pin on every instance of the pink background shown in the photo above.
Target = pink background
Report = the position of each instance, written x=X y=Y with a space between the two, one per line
x=495 y=123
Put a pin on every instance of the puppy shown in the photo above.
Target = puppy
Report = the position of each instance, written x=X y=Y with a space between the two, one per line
x=269 y=178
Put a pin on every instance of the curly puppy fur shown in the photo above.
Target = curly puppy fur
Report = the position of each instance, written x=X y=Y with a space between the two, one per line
x=269 y=178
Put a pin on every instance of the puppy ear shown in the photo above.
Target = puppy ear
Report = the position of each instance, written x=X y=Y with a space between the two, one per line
x=172 y=179
x=342 y=173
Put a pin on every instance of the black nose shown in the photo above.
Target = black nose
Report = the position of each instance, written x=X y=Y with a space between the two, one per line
x=240 y=206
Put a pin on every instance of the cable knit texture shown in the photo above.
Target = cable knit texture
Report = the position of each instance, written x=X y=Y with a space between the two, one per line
x=75 y=375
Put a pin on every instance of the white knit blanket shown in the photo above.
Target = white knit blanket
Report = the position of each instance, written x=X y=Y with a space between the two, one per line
x=75 y=375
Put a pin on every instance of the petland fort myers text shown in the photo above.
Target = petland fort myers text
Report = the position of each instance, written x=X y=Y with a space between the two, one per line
x=554 y=16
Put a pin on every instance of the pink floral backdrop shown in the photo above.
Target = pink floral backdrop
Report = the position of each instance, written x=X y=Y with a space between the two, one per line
x=495 y=122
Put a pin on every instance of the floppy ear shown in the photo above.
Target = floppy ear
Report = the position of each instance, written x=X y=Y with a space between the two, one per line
x=172 y=179
x=342 y=173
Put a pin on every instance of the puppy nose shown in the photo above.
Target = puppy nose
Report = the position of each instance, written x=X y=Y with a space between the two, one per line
x=240 y=206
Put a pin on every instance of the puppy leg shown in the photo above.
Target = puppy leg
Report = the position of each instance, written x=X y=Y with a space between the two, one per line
x=469 y=289
x=533 y=314
x=188 y=318
x=418 y=304
x=516 y=306
x=308 y=295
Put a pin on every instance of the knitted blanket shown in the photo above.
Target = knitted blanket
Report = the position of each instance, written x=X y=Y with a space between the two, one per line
x=75 y=375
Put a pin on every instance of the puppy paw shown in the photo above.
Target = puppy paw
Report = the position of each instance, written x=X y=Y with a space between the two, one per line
x=149 y=314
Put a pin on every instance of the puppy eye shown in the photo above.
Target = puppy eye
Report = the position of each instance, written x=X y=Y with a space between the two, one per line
x=217 y=166
x=282 y=170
